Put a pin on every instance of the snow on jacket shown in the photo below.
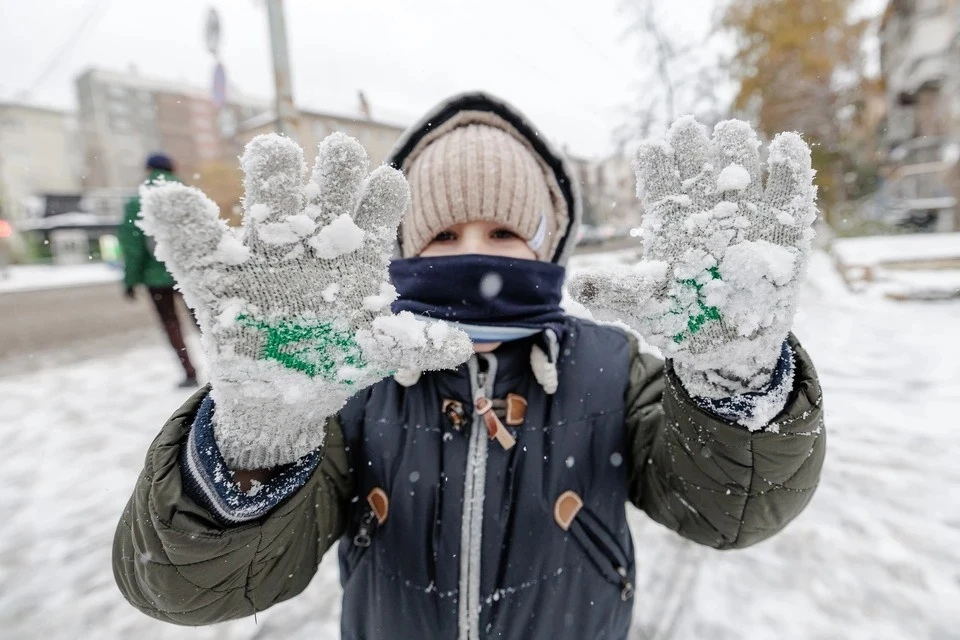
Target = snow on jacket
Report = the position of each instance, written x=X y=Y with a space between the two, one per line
x=630 y=432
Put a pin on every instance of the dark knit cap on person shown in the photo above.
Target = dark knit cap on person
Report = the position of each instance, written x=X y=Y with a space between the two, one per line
x=159 y=162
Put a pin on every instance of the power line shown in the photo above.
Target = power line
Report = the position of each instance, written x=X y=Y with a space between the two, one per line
x=93 y=15
x=553 y=15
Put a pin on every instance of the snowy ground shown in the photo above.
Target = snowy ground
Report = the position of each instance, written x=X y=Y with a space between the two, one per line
x=30 y=277
x=876 y=555
x=897 y=248
x=918 y=266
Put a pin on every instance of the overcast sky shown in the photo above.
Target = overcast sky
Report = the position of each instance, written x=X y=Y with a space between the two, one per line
x=566 y=63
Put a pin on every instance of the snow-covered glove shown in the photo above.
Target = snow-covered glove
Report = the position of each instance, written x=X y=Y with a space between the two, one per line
x=723 y=256
x=294 y=313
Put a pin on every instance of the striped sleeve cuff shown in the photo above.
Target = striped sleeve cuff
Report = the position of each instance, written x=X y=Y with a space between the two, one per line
x=756 y=409
x=209 y=482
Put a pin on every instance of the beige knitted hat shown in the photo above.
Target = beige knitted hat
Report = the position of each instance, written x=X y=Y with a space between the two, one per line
x=477 y=167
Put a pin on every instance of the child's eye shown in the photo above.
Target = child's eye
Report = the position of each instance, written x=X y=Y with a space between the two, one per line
x=503 y=234
x=445 y=236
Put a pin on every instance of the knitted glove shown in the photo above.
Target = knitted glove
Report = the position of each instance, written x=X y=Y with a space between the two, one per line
x=295 y=313
x=723 y=257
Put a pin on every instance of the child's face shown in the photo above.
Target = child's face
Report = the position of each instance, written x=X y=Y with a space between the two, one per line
x=486 y=238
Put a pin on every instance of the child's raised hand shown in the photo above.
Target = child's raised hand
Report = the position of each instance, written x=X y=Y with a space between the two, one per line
x=295 y=312
x=723 y=254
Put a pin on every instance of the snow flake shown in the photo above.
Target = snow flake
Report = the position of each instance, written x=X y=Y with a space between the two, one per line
x=490 y=285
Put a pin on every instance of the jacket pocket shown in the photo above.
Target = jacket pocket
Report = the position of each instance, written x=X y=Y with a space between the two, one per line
x=598 y=544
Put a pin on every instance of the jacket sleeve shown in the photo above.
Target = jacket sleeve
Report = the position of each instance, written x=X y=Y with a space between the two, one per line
x=712 y=481
x=174 y=562
x=132 y=244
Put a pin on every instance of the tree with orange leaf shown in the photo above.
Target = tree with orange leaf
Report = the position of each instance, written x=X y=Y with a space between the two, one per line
x=799 y=65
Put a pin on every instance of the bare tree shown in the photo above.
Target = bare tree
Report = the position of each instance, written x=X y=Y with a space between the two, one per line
x=678 y=74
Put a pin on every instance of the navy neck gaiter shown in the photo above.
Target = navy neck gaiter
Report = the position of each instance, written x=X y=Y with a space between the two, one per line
x=491 y=298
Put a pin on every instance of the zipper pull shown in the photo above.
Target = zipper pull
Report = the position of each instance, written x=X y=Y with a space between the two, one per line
x=495 y=428
x=626 y=587
x=364 y=531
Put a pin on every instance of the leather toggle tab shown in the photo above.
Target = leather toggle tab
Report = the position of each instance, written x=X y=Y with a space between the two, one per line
x=566 y=508
x=495 y=428
x=516 y=409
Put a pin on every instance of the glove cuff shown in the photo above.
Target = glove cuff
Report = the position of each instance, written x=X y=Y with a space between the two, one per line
x=757 y=407
x=270 y=427
x=207 y=479
x=738 y=368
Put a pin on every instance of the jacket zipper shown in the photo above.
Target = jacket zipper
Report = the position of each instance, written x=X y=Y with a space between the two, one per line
x=474 y=486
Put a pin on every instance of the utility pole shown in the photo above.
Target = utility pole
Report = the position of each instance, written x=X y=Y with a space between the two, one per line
x=286 y=113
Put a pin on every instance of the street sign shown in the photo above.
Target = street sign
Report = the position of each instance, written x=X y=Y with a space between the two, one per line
x=212 y=31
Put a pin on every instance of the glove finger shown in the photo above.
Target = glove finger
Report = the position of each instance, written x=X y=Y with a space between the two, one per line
x=273 y=170
x=737 y=162
x=658 y=187
x=338 y=174
x=404 y=342
x=618 y=293
x=693 y=152
x=790 y=196
x=191 y=237
x=656 y=173
x=384 y=201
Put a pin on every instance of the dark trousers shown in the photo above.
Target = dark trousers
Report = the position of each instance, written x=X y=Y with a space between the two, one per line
x=165 y=300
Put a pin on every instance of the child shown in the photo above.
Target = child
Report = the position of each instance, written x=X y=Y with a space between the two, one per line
x=472 y=450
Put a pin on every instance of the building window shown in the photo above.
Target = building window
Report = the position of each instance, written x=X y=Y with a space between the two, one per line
x=119 y=107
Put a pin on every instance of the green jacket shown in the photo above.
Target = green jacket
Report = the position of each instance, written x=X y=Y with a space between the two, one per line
x=140 y=266
x=712 y=482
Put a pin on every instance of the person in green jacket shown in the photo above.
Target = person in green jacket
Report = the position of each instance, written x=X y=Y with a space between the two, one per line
x=141 y=267
x=470 y=444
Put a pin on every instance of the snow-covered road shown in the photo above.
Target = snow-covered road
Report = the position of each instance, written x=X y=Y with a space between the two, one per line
x=876 y=554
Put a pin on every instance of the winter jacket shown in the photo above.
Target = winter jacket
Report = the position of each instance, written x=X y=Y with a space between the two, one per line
x=627 y=430
x=140 y=266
